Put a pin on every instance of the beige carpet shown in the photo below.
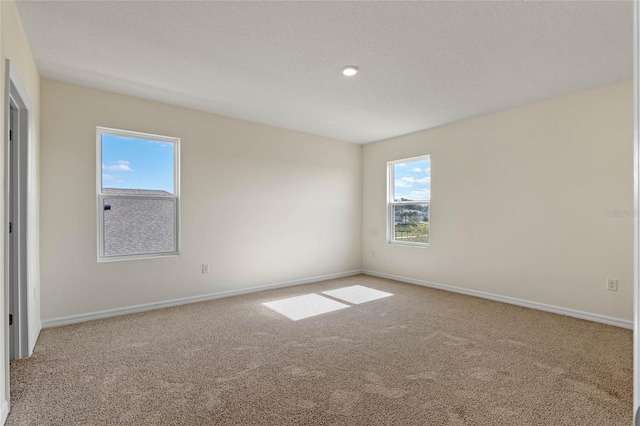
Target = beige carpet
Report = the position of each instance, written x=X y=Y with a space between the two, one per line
x=420 y=357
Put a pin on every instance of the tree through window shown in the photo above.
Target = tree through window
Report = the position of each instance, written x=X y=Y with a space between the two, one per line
x=408 y=200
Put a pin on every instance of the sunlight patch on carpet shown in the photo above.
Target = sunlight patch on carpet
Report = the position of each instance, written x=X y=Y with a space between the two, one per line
x=357 y=294
x=300 y=307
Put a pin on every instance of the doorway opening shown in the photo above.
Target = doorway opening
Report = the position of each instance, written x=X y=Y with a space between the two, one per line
x=16 y=238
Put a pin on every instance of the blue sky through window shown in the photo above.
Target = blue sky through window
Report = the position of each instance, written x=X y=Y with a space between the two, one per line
x=137 y=163
x=412 y=180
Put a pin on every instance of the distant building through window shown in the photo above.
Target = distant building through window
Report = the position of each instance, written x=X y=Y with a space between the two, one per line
x=138 y=201
x=409 y=196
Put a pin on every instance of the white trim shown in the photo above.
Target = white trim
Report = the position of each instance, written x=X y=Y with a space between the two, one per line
x=100 y=131
x=636 y=205
x=511 y=300
x=4 y=412
x=391 y=203
x=73 y=319
x=186 y=300
x=17 y=166
x=409 y=160
x=15 y=79
x=636 y=219
x=16 y=92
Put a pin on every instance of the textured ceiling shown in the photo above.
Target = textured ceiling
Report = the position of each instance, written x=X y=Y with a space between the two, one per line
x=423 y=64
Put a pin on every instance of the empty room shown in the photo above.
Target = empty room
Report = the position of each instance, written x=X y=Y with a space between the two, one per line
x=340 y=212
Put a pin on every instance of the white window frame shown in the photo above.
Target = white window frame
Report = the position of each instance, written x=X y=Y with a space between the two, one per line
x=391 y=203
x=101 y=196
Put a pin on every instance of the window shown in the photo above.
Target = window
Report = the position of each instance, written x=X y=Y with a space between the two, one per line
x=408 y=200
x=137 y=180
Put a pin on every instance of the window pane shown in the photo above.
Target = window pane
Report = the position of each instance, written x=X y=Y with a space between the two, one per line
x=137 y=226
x=411 y=223
x=131 y=163
x=412 y=181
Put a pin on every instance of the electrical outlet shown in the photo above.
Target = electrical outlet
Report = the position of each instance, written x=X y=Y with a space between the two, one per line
x=612 y=285
x=205 y=268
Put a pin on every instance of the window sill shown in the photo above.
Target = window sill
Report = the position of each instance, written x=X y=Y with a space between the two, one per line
x=399 y=243
x=136 y=257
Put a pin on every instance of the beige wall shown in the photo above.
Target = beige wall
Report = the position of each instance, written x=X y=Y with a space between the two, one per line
x=14 y=46
x=518 y=209
x=519 y=201
x=260 y=205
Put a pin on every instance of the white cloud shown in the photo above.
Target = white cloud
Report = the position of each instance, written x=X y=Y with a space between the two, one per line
x=405 y=182
x=422 y=181
x=416 y=170
x=119 y=166
x=428 y=170
x=110 y=178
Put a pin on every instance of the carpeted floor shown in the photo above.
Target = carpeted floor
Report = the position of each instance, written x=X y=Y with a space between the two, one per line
x=420 y=357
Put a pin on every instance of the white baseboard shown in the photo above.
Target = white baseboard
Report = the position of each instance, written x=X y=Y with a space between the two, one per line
x=511 y=300
x=55 y=322
x=4 y=412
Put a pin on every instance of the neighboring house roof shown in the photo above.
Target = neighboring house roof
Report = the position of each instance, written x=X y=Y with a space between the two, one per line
x=126 y=191
x=138 y=226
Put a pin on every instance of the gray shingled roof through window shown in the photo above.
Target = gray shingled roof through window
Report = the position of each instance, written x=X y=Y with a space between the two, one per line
x=138 y=226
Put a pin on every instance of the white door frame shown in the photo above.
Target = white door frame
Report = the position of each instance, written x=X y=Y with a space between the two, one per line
x=16 y=96
x=636 y=218
x=17 y=155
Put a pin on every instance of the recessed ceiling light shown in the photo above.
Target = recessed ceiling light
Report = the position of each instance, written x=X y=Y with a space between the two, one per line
x=350 y=70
